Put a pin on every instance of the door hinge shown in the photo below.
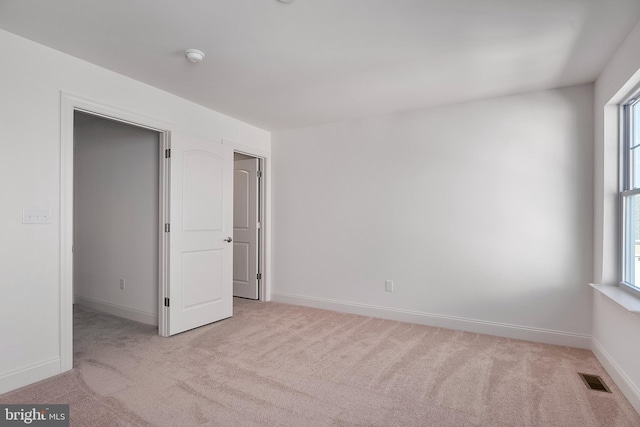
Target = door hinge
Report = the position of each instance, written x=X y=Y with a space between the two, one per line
x=259 y=276
x=166 y=302
x=259 y=174
x=167 y=227
x=259 y=225
x=167 y=153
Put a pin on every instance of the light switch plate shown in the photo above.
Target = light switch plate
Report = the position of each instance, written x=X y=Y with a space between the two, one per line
x=36 y=215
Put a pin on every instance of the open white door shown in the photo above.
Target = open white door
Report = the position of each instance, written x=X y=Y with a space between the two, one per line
x=200 y=249
x=245 y=228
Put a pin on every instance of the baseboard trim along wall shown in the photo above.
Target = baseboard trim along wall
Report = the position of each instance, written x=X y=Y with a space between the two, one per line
x=441 y=321
x=29 y=375
x=618 y=376
x=117 y=310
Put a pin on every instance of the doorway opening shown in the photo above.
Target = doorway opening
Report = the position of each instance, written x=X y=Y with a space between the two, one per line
x=185 y=162
x=248 y=250
x=116 y=217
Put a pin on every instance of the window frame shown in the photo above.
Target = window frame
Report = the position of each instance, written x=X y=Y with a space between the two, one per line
x=626 y=190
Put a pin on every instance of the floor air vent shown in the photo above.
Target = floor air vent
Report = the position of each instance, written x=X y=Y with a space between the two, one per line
x=594 y=382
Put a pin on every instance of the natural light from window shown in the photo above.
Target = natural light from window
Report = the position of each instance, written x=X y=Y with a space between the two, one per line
x=630 y=194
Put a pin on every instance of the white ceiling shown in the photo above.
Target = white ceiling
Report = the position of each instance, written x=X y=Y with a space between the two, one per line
x=283 y=66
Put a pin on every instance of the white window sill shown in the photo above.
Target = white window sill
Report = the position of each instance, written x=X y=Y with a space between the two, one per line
x=621 y=296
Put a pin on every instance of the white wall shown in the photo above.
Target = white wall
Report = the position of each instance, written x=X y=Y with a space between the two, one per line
x=612 y=324
x=481 y=213
x=31 y=80
x=116 y=218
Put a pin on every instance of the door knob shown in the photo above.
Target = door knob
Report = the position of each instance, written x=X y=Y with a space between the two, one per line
x=228 y=240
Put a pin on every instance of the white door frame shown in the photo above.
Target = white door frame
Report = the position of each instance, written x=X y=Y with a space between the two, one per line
x=69 y=104
x=265 y=247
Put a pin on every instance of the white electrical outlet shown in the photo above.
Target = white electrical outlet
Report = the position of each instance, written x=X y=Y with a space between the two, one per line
x=121 y=283
x=388 y=285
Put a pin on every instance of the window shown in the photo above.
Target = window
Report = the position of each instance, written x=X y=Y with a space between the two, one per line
x=630 y=192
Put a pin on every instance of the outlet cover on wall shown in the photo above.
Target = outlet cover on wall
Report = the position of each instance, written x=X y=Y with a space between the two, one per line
x=121 y=283
x=388 y=285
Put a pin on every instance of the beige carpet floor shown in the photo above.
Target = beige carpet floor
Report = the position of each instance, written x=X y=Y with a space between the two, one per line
x=282 y=365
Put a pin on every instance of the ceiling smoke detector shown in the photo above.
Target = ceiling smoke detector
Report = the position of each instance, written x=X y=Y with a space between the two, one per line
x=194 y=55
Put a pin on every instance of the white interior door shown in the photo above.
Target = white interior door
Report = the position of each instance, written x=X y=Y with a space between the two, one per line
x=201 y=220
x=245 y=228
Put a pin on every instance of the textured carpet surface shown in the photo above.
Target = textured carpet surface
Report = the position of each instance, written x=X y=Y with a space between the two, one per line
x=282 y=365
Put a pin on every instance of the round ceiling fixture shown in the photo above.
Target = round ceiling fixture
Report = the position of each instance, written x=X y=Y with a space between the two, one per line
x=194 y=55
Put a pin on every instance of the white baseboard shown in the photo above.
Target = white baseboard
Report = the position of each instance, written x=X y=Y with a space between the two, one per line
x=442 y=321
x=618 y=376
x=29 y=375
x=117 y=310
